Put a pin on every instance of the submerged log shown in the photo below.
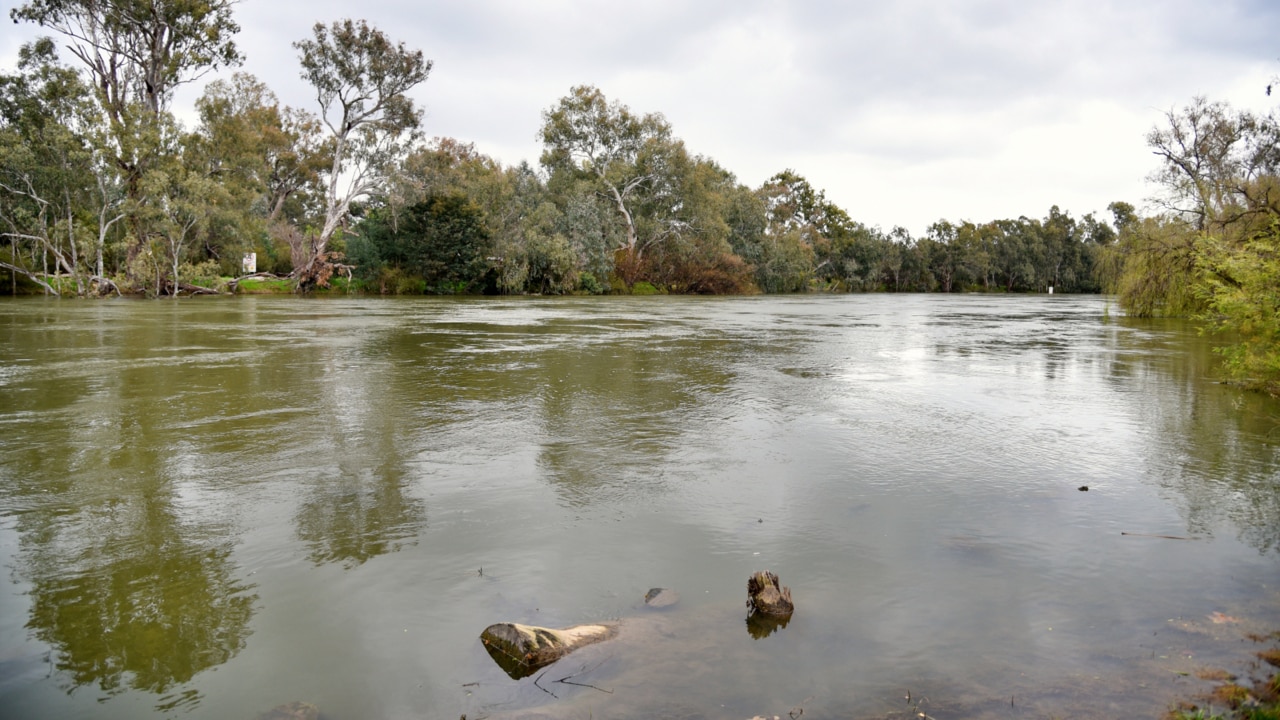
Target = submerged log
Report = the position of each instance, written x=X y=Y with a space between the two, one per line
x=296 y=710
x=661 y=597
x=522 y=649
x=767 y=597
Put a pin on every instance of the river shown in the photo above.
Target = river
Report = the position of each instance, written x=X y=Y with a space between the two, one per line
x=215 y=506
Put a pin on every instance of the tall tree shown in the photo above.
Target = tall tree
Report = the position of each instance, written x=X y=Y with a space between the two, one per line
x=633 y=160
x=361 y=79
x=266 y=157
x=137 y=53
x=141 y=50
x=58 y=198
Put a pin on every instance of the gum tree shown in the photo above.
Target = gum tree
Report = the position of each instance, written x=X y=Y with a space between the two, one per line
x=361 y=80
x=632 y=160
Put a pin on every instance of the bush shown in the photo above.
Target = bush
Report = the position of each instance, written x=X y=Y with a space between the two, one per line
x=205 y=274
x=588 y=283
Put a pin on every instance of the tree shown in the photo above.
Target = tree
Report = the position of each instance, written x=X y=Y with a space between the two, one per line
x=58 y=198
x=1212 y=253
x=632 y=160
x=141 y=50
x=1217 y=179
x=440 y=241
x=361 y=79
x=942 y=253
x=137 y=53
x=1240 y=291
x=266 y=157
x=1215 y=163
x=701 y=259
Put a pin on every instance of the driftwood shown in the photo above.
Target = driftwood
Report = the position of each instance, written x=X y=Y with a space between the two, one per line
x=521 y=650
x=166 y=289
x=104 y=284
x=1166 y=537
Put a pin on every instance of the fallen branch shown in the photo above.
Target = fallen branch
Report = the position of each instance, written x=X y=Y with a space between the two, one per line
x=104 y=283
x=1166 y=537
x=196 y=289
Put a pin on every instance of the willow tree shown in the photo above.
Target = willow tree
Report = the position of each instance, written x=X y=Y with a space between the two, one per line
x=361 y=80
x=1212 y=252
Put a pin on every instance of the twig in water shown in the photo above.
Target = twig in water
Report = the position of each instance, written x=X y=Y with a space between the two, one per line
x=535 y=684
x=567 y=681
x=1166 y=537
x=584 y=669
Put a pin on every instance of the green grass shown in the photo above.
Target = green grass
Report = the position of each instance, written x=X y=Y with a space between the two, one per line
x=265 y=286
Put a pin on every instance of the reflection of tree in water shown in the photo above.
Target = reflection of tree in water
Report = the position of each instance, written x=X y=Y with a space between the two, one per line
x=358 y=517
x=129 y=597
x=614 y=414
x=1216 y=446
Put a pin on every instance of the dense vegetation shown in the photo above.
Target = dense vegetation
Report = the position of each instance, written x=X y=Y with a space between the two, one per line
x=103 y=190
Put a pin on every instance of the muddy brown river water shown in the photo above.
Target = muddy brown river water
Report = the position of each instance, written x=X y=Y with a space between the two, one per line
x=209 y=508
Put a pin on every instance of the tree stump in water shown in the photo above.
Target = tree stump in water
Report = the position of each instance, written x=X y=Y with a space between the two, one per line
x=767 y=597
x=522 y=649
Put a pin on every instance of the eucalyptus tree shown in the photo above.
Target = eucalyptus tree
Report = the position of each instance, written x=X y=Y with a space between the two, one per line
x=630 y=159
x=140 y=51
x=361 y=79
x=266 y=157
x=942 y=250
x=846 y=253
x=793 y=203
x=137 y=53
x=59 y=199
x=701 y=259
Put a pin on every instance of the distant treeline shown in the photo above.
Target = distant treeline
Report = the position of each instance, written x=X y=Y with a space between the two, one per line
x=102 y=190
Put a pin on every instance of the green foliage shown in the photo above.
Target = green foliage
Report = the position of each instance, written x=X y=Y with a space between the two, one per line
x=1153 y=269
x=645 y=288
x=441 y=240
x=1241 y=291
x=631 y=160
x=142 y=48
x=205 y=274
x=118 y=185
x=266 y=286
x=588 y=284
x=1213 y=253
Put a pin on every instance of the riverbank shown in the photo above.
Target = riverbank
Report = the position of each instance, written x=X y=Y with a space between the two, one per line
x=1251 y=695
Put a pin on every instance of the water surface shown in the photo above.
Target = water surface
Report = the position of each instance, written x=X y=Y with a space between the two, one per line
x=212 y=507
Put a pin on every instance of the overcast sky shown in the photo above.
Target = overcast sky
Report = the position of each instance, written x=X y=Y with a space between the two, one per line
x=903 y=112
